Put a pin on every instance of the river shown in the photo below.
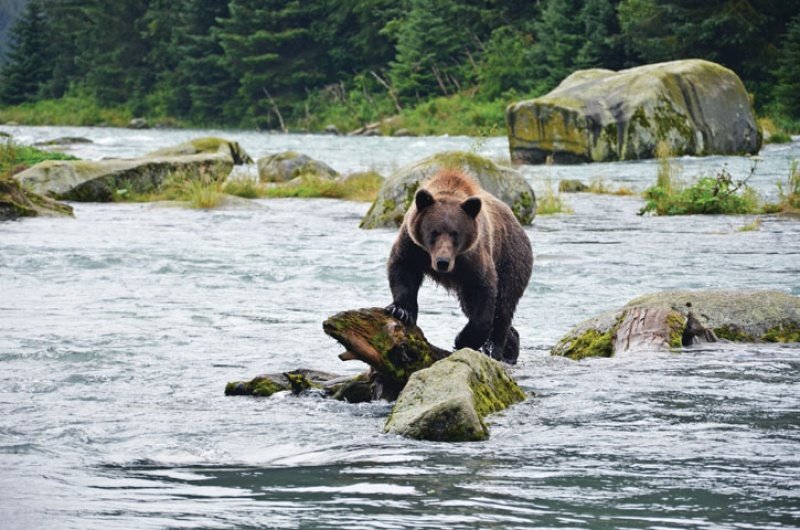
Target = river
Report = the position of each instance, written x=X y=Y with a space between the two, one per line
x=119 y=329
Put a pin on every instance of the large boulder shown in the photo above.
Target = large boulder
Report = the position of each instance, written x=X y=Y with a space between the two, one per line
x=207 y=145
x=288 y=165
x=99 y=181
x=450 y=400
x=672 y=319
x=697 y=107
x=397 y=192
x=16 y=201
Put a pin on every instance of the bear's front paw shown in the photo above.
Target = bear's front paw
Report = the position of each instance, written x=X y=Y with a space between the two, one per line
x=403 y=315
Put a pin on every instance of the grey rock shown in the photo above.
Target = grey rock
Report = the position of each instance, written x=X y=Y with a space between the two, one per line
x=672 y=319
x=397 y=192
x=450 y=400
x=697 y=107
x=288 y=165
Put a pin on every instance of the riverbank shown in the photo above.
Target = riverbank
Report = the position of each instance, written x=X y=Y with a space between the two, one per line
x=457 y=115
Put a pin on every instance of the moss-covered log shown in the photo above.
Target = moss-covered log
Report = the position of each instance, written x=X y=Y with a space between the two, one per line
x=392 y=349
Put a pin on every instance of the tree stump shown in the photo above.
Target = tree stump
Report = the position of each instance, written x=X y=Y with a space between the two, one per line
x=392 y=349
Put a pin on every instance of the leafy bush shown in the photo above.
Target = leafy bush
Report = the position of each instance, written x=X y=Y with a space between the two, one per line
x=719 y=194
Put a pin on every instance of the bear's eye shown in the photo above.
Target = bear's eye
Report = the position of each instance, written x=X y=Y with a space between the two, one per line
x=454 y=235
x=434 y=235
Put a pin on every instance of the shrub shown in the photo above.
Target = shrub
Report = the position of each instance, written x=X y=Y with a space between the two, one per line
x=719 y=194
x=549 y=202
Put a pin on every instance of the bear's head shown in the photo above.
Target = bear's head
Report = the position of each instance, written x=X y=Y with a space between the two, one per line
x=445 y=227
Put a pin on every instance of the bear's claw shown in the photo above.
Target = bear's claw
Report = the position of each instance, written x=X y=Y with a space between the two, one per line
x=403 y=315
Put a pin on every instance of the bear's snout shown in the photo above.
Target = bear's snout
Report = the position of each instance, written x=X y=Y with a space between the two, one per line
x=442 y=264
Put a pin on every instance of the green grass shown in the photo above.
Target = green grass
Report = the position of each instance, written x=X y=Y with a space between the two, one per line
x=753 y=226
x=788 y=193
x=359 y=187
x=15 y=158
x=69 y=110
x=550 y=202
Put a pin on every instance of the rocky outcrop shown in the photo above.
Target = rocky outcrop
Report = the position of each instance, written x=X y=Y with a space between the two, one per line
x=207 y=145
x=15 y=201
x=353 y=389
x=397 y=192
x=450 y=400
x=673 y=319
x=285 y=166
x=100 y=181
x=697 y=107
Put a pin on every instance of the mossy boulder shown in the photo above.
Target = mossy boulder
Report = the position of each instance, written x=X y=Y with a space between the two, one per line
x=397 y=192
x=100 y=180
x=16 y=201
x=449 y=401
x=207 y=145
x=672 y=319
x=288 y=165
x=697 y=107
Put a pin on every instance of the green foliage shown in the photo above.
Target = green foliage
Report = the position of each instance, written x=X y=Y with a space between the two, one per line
x=787 y=90
x=69 y=110
x=549 y=202
x=308 y=63
x=360 y=187
x=719 y=194
x=28 y=62
x=789 y=193
x=15 y=158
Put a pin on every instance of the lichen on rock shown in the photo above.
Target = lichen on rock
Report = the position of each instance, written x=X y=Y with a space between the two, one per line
x=397 y=192
x=696 y=107
x=672 y=319
x=449 y=401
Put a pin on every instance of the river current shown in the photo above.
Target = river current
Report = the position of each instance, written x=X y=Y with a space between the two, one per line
x=119 y=329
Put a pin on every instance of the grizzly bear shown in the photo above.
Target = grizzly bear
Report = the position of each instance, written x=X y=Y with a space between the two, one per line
x=468 y=241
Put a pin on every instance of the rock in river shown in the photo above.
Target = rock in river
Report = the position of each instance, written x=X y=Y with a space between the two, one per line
x=697 y=107
x=99 y=180
x=285 y=166
x=449 y=400
x=672 y=319
x=397 y=192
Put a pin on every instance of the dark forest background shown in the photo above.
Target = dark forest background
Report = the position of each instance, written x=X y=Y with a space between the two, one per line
x=306 y=63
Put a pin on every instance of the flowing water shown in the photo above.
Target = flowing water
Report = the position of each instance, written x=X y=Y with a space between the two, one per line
x=119 y=329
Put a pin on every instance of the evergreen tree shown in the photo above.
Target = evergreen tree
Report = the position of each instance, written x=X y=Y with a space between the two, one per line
x=68 y=33
x=113 y=52
x=600 y=46
x=28 y=65
x=271 y=51
x=787 y=91
x=559 y=38
x=439 y=44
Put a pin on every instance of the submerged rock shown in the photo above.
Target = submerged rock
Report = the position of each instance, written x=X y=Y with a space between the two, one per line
x=672 y=319
x=285 y=166
x=16 y=201
x=100 y=180
x=450 y=400
x=397 y=192
x=697 y=107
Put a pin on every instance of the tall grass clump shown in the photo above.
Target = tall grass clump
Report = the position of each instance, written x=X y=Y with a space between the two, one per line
x=550 y=202
x=245 y=188
x=788 y=193
x=357 y=187
x=15 y=158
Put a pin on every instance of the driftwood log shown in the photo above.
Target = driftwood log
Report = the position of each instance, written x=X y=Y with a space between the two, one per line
x=392 y=349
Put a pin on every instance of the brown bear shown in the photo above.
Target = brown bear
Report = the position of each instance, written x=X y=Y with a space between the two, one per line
x=470 y=242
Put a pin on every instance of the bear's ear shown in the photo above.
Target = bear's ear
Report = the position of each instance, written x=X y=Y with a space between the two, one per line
x=472 y=206
x=423 y=199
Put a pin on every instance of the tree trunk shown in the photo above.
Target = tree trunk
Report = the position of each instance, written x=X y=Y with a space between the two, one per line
x=392 y=350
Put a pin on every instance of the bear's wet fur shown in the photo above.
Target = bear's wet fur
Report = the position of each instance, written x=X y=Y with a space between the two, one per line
x=470 y=242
